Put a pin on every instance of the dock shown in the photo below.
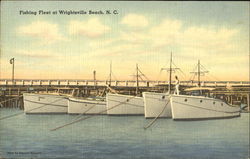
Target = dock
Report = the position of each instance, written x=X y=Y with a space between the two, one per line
x=126 y=83
x=234 y=92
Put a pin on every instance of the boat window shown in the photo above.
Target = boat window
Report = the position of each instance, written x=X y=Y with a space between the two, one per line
x=195 y=93
x=163 y=97
x=127 y=100
x=213 y=102
x=185 y=100
x=201 y=101
x=221 y=104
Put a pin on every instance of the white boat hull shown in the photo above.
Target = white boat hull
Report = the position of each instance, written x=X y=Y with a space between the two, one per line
x=157 y=105
x=124 y=105
x=44 y=103
x=86 y=106
x=193 y=107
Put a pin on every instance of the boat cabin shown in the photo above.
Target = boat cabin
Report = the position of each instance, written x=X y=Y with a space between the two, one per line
x=199 y=91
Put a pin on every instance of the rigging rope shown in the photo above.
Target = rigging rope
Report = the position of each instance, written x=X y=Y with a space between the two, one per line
x=84 y=118
x=111 y=90
x=153 y=121
x=134 y=105
x=143 y=74
x=79 y=115
x=13 y=115
x=184 y=75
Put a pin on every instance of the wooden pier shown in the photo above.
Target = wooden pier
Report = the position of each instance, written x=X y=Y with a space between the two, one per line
x=234 y=92
x=125 y=83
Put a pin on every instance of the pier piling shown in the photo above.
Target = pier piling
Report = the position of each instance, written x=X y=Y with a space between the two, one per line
x=248 y=103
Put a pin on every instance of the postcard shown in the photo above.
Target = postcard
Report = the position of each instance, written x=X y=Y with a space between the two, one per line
x=124 y=79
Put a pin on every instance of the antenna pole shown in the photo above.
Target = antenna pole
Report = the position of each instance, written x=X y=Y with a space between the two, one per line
x=12 y=61
x=94 y=74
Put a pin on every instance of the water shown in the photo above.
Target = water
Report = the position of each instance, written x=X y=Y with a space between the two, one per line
x=112 y=137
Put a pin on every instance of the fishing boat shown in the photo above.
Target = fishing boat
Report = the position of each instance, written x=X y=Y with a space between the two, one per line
x=87 y=106
x=197 y=104
x=118 y=104
x=158 y=104
x=201 y=107
x=45 y=103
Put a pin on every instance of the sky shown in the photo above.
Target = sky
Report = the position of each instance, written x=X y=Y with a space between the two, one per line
x=61 y=46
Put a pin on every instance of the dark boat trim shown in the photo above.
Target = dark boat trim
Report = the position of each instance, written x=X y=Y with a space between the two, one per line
x=56 y=105
x=206 y=108
x=47 y=113
x=88 y=102
x=209 y=118
x=125 y=114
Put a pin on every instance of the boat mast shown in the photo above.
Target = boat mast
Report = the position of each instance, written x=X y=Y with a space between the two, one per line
x=110 y=73
x=199 y=74
x=170 y=73
x=137 y=79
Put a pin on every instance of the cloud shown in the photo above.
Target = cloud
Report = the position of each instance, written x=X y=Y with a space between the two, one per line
x=42 y=30
x=167 y=27
x=103 y=42
x=134 y=37
x=213 y=45
x=91 y=28
x=37 y=53
x=166 y=32
x=116 y=50
x=206 y=38
x=134 y=20
x=171 y=33
x=159 y=35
